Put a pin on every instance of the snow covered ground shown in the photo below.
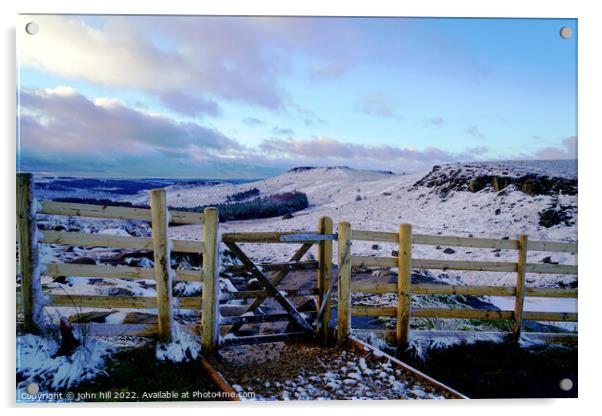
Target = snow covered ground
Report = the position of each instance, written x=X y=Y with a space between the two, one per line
x=370 y=201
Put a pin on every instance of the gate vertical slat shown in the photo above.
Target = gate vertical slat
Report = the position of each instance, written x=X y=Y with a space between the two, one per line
x=324 y=274
x=344 y=283
x=210 y=294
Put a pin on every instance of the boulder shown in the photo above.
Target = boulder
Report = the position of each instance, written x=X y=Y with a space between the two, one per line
x=81 y=260
x=87 y=317
x=140 y=318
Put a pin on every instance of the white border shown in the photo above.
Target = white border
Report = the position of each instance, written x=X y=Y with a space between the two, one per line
x=590 y=69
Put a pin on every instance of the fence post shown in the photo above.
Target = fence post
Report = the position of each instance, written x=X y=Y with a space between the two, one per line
x=520 y=287
x=344 y=283
x=163 y=273
x=210 y=294
x=28 y=252
x=404 y=277
x=324 y=274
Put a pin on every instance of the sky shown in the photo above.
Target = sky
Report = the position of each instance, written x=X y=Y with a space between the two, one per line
x=250 y=97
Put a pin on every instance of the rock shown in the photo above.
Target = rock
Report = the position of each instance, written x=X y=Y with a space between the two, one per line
x=394 y=253
x=60 y=228
x=288 y=216
x=81 y=260
x=498 y=211
x=119 y=291
x=310 y=305
x=449 y=250
x=254 y=284
x=68 y=340
x=62 y=280
x=555 y=215
x=548 y=260
x=140 y=318
x=375 y=246
x=87 y=317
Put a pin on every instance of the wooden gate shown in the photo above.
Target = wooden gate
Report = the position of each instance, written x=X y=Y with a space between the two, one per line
x=310 y=325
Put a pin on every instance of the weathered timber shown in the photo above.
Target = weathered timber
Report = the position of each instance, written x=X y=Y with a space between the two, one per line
x=210 y=295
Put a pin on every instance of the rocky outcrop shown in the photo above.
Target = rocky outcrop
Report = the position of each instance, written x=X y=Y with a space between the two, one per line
x=495 y=178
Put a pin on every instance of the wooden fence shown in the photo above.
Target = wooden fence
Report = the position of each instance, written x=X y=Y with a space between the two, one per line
x=160 y=243
x=404 y=289
x=212 y=326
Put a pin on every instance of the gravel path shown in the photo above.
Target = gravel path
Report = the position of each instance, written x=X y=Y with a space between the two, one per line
x=299 y=371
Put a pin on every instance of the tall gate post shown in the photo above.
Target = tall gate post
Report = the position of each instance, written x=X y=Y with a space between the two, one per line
x=520 y=287
x=324 y=274
x=210 y=294
x=403 y=285
x=163 y=272
x=28 y=252
x=344 y=283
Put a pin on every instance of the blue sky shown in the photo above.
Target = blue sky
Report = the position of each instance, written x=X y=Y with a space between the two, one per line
x=251 y=97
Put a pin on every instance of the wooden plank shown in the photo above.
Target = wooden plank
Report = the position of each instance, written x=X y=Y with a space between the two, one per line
x=307 y=238
x=258 y=319
x=369 y=261
x=438 y=289
x=547 y=292
x=434 y=313
x=403 y=285
x=551 y=268
x=550 y=316
x=162 y=267
x=344 y=283
x=28 y=252
x=520 y=287
x=378 y=288
x=114 y=272
x=210 y=299
x=263 y=339
x=434 y=289
x=473 y=242
x=218 y=379
x=80 y=239
x=325 y=276
x=368 y=349
x=554 y=246
x=119 y=302
x=377 y=236
x=482 y=266
x=250 y=294
x=289 y=307
x=259 y=237
x=275 y=281
x=373 y=311
x=461 y=313
x=112 y=212
x=271 y=267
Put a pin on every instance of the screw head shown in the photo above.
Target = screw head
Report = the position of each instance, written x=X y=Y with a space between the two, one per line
x=32 y=389
x=566 y=384
x=566 y=32
x=32 y=28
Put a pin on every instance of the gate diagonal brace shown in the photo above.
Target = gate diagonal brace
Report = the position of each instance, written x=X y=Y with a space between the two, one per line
x=275 y=281
x=289 y=307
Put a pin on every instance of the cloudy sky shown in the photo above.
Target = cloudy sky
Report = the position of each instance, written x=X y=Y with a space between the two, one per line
x=236 y=97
